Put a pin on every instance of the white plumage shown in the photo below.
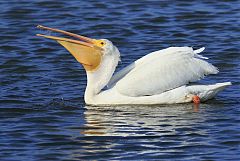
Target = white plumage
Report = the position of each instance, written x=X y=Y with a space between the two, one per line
x=163 y=70
x=160 y=77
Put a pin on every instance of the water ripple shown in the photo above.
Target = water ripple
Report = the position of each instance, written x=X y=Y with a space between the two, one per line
x=43 y=116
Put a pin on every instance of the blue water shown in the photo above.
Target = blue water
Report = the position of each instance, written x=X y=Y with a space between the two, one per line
x=42 y=110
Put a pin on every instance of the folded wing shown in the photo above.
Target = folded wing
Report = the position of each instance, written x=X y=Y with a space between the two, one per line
x=162 y=70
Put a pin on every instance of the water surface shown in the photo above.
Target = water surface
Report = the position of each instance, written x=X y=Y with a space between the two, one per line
x=42 y=110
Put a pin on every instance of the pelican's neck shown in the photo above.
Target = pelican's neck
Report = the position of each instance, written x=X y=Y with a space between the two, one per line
x=98 y=79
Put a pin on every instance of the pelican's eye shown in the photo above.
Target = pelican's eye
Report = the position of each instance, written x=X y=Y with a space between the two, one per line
x=100 y=43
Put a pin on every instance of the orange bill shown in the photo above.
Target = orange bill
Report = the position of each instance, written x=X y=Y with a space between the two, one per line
x=85 y=50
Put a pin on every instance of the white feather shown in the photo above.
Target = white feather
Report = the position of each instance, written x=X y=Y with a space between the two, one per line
x=161 y=71
x=196 y=52
x=199 y=50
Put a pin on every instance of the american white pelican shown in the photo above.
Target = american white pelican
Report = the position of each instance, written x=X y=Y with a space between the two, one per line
x=161 y=77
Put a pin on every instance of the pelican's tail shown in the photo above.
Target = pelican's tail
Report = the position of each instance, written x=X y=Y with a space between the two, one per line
x=206 y=92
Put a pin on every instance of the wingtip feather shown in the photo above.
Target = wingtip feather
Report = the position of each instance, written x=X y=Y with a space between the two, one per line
x=196 y=52
x=199 y=50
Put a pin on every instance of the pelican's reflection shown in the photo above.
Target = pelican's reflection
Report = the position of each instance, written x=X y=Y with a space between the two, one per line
x=139 y=120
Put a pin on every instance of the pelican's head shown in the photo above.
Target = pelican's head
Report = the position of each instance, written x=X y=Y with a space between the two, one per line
x=89 y=52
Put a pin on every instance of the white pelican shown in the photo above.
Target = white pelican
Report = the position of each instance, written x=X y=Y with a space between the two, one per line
x=161 y=77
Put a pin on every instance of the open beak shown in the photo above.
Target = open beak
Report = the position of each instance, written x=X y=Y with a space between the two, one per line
x=84 y=49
